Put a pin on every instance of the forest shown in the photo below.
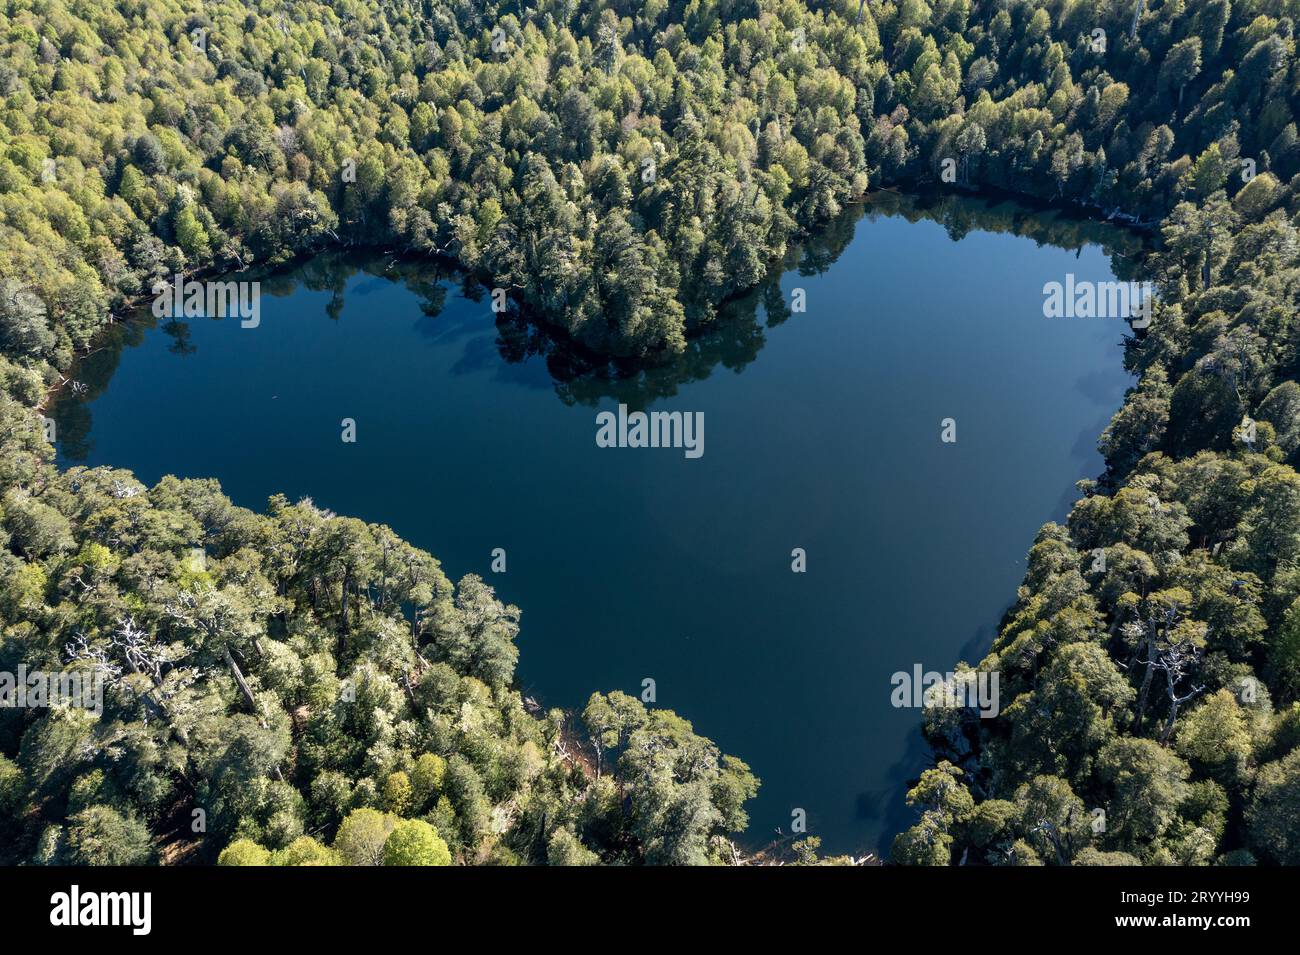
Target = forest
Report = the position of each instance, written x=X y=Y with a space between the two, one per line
x=297 y=687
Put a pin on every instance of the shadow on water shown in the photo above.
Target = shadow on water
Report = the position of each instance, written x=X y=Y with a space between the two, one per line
x=731 y=341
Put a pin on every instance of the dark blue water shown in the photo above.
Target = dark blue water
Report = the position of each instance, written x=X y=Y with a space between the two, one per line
x=822 y=431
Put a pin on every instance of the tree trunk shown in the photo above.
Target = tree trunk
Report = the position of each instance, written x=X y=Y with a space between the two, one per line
x=1169 y=723
x=248 y=695
x=1146 y=682
x=243 y=685
x=1137 y=15
x=347 y=577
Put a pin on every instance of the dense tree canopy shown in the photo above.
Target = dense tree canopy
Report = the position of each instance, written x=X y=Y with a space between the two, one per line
x=1148 y=666
x=297 y=687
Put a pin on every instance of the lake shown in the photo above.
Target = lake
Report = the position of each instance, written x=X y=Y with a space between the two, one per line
x=822 y=431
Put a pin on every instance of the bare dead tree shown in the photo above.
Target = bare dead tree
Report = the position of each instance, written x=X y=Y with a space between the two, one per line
x=80 y=648
x=1176 y=662
x=1151 y=634
x=144 y=657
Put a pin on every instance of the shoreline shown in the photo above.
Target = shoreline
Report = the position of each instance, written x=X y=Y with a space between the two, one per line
x=920 y=187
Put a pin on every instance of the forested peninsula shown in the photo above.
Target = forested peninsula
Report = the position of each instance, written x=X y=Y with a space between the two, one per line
x=297 y=687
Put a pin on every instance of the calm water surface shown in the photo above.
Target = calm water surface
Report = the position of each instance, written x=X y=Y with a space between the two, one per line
x=822 y=431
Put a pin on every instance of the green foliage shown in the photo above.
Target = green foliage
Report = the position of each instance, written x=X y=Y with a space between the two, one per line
x=244 y=852
x=1155 y=631
x=305 y=851
x=313 y=674
x=415 y=842
x=426 y=779
x=100 y=835
x=565 y=849
x=397 y=793
x=622 y=171
x=1274 y=809
x=362 y=838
